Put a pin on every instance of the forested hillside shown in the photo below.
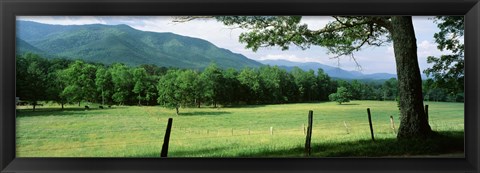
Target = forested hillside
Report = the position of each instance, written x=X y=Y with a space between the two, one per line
x=121 y=43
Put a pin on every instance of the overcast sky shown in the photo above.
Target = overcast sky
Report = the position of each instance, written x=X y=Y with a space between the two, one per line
x=371 y=59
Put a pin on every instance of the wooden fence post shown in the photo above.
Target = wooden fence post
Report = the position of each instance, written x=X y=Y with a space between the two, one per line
x=271 y=130
x=308 y=149
x=304 y=129
x=166 y=139
x=426 y=112
x=346 y=127
x=370 y=122
x=392 y=125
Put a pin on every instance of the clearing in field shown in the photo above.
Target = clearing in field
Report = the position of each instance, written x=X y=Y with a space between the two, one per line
x=246 y=131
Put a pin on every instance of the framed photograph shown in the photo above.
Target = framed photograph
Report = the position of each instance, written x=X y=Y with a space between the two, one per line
x=239 y=86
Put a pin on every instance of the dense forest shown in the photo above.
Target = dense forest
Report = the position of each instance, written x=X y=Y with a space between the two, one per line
x=70 y=82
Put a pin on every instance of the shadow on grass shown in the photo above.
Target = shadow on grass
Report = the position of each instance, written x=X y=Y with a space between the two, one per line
x=60 y=112
x=246 y=106
x=445 y=142
x=442 y=143
x=204 y=113
x=182 y=153
x=347 y=104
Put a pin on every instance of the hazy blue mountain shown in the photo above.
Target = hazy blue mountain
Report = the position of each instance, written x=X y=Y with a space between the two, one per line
x=121 y=43
x=23 y=47
x=334 y=72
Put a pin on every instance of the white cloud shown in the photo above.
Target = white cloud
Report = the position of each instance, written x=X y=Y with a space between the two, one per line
x=426 y=48
x=63 y=20
x=316 y=22
x=290 y=57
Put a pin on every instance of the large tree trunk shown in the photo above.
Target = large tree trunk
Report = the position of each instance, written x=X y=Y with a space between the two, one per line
x=413 y=121
x=176 y=108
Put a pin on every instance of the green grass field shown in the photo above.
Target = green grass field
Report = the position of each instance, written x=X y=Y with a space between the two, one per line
x=134 y=131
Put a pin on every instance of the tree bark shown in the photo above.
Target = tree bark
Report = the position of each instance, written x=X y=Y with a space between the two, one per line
x=139 y=103
x=413 y=121
x=103 y=98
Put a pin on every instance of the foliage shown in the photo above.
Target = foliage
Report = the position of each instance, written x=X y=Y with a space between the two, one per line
x=66 y=81
x=79 y=82
x=448 y=70
x=341 y=96
x=104 y=84
x=32 y=77
x=141 y=86
x=176 y=88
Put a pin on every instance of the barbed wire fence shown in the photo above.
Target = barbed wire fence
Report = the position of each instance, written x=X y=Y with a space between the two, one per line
x=269 y=127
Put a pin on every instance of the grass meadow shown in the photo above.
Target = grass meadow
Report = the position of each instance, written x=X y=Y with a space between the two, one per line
x=244 y=131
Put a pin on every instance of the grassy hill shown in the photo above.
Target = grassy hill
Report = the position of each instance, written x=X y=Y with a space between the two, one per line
x=121 y=43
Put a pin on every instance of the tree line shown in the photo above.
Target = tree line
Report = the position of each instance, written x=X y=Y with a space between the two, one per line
x=67 y=81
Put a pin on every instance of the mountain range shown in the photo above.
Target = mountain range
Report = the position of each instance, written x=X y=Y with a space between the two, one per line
x=334 y=72
x=121 y=43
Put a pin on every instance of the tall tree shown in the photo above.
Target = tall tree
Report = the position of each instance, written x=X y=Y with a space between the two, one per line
x=32 y=78
x=122 y=83
x=104 y=84
x=79 y=82
x=140 y=80
x=249 y=79
x=213 y=79
x=176 y=88
x=344 y=36
x=55 y=84
x=341 y=96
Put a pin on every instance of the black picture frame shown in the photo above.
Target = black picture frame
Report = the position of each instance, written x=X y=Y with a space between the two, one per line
x=11 y=8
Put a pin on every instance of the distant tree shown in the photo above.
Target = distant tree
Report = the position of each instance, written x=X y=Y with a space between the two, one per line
x=176 y=88
x=307 y=84
x=341 y=96
x=274 y=82
x=356 y=89
x=168 y=90
x=55 y=84
x=186 y=81
x=251 y=82
x=212 y=78
x=233 y=89
x=140 y=79
x=324 y=85
x=122 y=83
x=151 y=92
x=104 y=83
x=79 y=82
x=32 y=78
x=390 y=89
